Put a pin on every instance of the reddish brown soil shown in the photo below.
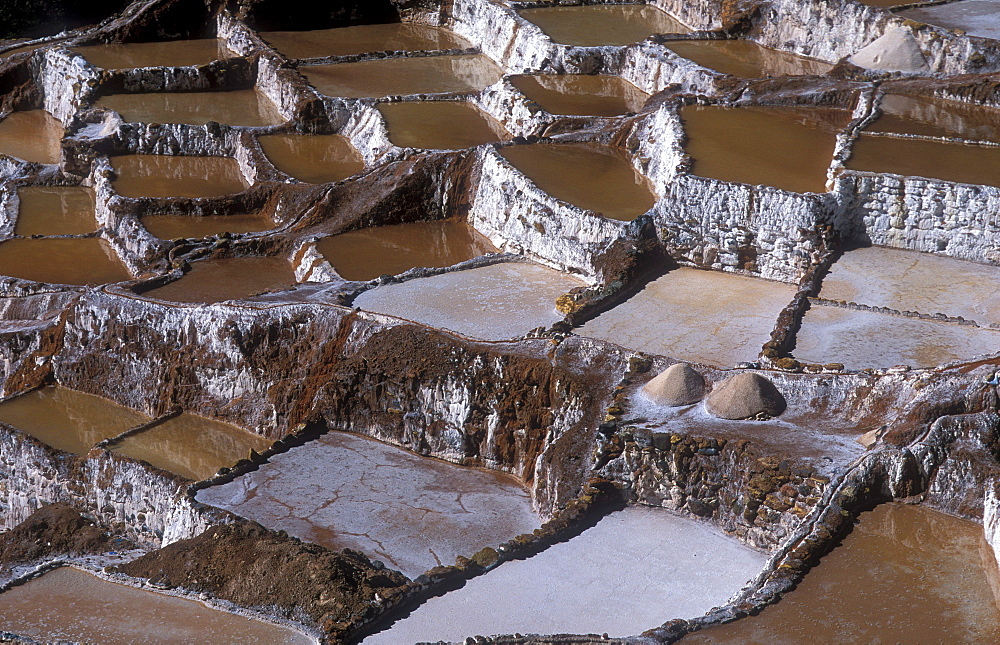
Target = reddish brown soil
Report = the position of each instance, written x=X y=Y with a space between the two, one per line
x=50 y=531
x=261 y=569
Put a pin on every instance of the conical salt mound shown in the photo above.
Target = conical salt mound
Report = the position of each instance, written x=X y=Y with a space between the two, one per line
x=745 y=396
x=894 y=51
x=679 y=384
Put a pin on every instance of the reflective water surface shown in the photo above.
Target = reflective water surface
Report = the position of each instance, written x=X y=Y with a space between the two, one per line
x=34 y=135
x=226 y=279
x=581 y=94
x=368 y=253
x=72 y=605
x=174 y=176
x=55 y=210
x=592 y=25
x=313 y=158
x=440 y=125
x=236 y=107
x=68 y=420
x=173 y=53
x=746 y=59
x=785 y=147
x=589 y=175
x=906 y=574
x=360 y=39
x=170 y=227
x=76 y=261
x=402 y=76
x=192 y=446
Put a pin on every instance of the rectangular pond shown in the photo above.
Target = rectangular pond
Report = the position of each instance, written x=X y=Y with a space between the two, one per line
x=412 y=512
x=707 y=317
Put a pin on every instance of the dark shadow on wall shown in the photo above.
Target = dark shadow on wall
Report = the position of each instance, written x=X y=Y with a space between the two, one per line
x=280 y=15
x=35 y=18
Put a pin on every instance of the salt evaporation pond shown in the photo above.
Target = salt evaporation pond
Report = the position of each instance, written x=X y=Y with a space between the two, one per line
x=313 y=158
x=173 y=53
x=958 y=162
x=170 y=227
x=367 y=253
x=67 y=419
x=595 y=25
x=402 y=76
x=176 y=176
x=55 y=210
x=440 y=125
x=412 y=512
x=974 y=17
x=68 y=604
x=934 y=117
x=912 y=281
x=581 y=94
x=248 y=108
x=495 y=302
x=192 y=446
x=57 y=260
x=361 y=39
x=210 y=281
x=634 y=570
x=707 y=317
x=591 y=176
x=785 y=147
x=746 y=59
x=866 y=339
x=906 y=574
x=33 y=136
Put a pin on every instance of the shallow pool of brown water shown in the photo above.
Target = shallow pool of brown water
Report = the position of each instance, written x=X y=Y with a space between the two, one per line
x=226 y=279
x=403 y=76
x=906 y=574
x=440 y=125
x=69 y=420
x=595 y=25
x=581 y=94
x=33 y=135
x=746 y=59
x=936 y=117
x=957 y=162
x=171 y=227
x=589 y=175
x=55 y=210
x=76 y=261
x=360 y=39
x=175 y=176
x=173 y=53
x=788 y=148
x=368 y=253
x=313 y=158
x=72 y=605
x=192 y=446
x=248 y=108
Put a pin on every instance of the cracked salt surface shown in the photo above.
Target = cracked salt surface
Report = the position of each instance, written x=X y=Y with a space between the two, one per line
x=634 y=570
x=495 y=302
x=412 y=512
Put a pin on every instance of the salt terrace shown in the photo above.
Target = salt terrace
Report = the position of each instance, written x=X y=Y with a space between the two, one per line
x=395 y=321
